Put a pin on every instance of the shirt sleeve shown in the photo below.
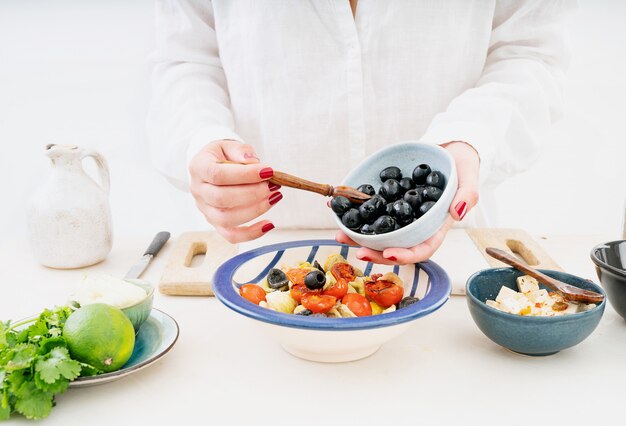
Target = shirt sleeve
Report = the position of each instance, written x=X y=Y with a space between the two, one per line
x=190 y=106
x=519 y=93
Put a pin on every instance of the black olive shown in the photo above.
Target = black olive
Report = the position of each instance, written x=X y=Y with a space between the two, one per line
x=426 y=206
x=413 y=198
x=380 y=203
x=390 y=190
x=317 y=265
x=340 y=205
x=431 y=193
x=402 y=212
x=407 y=301
x=384 y=224
x=436 y=179
x=276 y=279
x=352 y=219
x=367 y=189
x=306 y=313
x=389 y=209
x=420 y=173
x=397 y=226
x=406 y=184
x=391 y=172
x=369 y=211
x=315 y=280
x=366 y=229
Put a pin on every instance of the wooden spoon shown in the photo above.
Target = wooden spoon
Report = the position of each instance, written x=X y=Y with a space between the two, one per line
x=291 y=181
x=566 y=290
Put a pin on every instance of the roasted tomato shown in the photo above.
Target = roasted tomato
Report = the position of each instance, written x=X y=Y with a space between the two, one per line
x=337 y=290
x=318 y=303
x=296 y=275
x=343 y=271
x=383 y=292
x=358 y=304
x=298 y=290
x=252 y=293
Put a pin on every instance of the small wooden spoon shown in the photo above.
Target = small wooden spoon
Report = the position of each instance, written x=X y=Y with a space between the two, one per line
x=291 y=181
x=566 y=290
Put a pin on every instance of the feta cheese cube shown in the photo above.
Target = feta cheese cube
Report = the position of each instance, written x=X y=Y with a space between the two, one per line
x=526 y=283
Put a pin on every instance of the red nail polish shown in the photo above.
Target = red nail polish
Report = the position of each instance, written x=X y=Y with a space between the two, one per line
x=273 y=186
x=366 y=259
x=275 y=197
x=392 y=258
x=266 y=173
x=461 y=209
x=267 y=227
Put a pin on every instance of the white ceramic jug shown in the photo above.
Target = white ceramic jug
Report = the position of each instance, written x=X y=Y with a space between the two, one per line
x=69 y=217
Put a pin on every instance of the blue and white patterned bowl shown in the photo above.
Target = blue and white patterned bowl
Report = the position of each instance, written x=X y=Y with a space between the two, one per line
x=328 y=339
x=406 y=156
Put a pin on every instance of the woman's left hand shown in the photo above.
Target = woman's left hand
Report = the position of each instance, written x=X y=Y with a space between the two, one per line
x=467 y=167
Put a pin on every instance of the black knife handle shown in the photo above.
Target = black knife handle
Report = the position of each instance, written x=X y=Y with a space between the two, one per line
x=159 y=241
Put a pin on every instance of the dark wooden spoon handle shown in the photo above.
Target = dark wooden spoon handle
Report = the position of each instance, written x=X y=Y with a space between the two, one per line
x=291 y=181
x=568 y=291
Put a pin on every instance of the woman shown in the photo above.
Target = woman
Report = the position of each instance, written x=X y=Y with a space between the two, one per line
x=312 y=87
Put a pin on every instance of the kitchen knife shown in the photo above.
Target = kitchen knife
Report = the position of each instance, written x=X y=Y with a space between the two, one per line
x=157 y=243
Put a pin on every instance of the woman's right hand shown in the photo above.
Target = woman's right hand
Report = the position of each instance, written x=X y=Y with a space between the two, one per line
x=229 y=195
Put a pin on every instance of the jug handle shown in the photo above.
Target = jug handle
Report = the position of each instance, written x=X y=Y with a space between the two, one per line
x=103 y=168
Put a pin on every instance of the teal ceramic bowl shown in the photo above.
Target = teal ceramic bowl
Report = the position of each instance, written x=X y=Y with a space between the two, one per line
x=140 y=311
x=528 y=335
x=406 y=156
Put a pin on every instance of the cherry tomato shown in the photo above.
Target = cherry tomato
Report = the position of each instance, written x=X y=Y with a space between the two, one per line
x=337 y=290
x=343 y=271
x=318 y=303
x=252 y=293
x=298 y=290
x=383 y=292
x=358 y=304
x=296 y=275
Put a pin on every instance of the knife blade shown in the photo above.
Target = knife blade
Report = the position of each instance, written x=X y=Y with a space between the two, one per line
x=157 y=243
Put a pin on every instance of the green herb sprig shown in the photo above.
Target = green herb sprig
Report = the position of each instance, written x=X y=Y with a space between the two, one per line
x=35 y=364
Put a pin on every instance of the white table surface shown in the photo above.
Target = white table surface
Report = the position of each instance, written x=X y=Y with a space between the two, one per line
x=443 y=370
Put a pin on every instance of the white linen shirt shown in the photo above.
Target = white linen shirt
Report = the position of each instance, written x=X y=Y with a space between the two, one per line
x=315 y=90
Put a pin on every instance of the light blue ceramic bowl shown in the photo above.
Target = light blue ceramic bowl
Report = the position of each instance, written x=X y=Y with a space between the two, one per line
x=328 y=339
x=528 y=335
x=140 y=311
x=406 y=156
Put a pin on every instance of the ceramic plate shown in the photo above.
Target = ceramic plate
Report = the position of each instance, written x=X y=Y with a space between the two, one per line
x=155 y=338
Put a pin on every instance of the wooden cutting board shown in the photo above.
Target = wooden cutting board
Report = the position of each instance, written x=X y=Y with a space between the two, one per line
x=515 y=241
x=181 y=277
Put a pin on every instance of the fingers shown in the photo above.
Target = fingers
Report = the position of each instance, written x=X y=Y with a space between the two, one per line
x=467 y=167
x=230 y=217
x=245 y=233
x=233 y=195
x=208 y=165
x=422 y=251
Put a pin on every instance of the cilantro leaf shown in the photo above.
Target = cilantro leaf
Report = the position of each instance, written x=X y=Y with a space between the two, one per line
x=58 y=363
x=21 y=356
x=58 y=386
x=32 y=402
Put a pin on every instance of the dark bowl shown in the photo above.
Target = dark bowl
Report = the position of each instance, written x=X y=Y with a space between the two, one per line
x=610 y=261
x=528 y=335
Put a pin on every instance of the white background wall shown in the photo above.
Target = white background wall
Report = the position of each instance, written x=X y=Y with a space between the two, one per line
x=77 y=72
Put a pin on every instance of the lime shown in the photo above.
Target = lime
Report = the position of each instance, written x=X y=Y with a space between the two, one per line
x=100 y=335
